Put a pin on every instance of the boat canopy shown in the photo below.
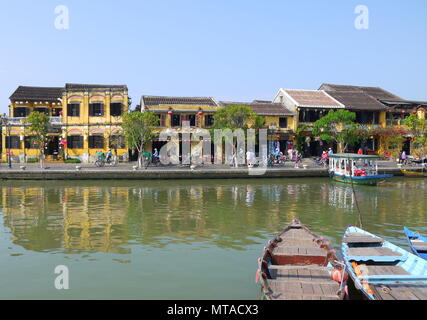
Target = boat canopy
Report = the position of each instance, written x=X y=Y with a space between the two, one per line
x=352 y=156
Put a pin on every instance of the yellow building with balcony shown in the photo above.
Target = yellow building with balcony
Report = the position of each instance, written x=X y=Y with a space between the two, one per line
x=198 y=113
x=84 y=120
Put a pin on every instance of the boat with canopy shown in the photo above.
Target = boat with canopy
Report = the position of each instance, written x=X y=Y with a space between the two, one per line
x=355 y=168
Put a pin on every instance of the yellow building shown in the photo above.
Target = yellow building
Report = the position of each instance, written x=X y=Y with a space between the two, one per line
x=173 y=112
x=85 y=119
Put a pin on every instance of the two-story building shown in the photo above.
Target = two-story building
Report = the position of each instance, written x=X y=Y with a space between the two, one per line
x=184 y=114
x=84 y=120
x=377 y=108
x=308 y=107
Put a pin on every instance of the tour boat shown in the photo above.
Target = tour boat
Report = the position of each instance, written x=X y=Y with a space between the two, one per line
x=300 y=265
x=382 y=270
x=417 y=242
x=355 y=168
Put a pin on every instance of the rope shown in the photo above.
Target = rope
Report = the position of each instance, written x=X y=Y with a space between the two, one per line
x=357 y=203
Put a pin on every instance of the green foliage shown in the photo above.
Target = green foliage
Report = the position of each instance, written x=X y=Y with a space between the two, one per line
x=237 y=117
x=418 y=129
x=139 y=128
x=32 y=160
x=38 y=125
x=338 y=126
x=72 y=160
x=300 y=137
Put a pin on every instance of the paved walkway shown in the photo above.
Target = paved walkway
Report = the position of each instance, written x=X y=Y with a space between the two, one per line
x=60 y=166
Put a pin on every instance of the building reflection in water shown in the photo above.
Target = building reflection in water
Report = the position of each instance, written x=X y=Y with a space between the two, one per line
x=227 y=214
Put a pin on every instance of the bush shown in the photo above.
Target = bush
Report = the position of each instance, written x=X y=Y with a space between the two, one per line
x=32 y=160
x=72 y=160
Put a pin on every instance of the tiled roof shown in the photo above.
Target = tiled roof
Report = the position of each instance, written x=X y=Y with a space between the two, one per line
x=263 y=109
x=150 y=101
x=90 y=87
x=37 y=94
x=313 y=98
x=375 y=92
x=357 y=100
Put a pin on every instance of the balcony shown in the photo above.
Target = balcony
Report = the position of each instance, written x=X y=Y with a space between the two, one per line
x=20 y=120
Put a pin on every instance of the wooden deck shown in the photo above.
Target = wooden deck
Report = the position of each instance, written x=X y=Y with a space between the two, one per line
x=419 y=245
x=401 y=291
x=359 y=238
x=302 y=283
x=372 y=252
x=381 y=270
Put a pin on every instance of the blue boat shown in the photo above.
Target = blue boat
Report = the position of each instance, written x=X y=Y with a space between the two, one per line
x=417 y=242
x=382 y=270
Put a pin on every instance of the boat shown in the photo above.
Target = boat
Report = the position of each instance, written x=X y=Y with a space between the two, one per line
x=355 y=169
x=299 y=265
x=417 y=242
x=414 y=174
x=382 y=270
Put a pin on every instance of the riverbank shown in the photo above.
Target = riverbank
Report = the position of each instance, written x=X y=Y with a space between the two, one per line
x=127 y=172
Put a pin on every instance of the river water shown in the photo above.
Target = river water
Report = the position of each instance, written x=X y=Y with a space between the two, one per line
x=196 y=239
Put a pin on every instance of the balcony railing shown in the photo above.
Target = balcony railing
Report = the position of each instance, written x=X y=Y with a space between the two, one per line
x=20 y=120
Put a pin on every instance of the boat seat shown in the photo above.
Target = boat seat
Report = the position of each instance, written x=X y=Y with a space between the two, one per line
x=361 y=238
x=379 y=278
x=377 y=254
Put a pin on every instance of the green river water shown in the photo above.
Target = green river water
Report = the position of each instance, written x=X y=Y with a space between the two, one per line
x=196 y=239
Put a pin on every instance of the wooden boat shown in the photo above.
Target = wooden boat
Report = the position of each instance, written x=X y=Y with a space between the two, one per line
x=417 y=242
x=382 y=270
x=414 y=174
x=355 y=168
x=298 y=265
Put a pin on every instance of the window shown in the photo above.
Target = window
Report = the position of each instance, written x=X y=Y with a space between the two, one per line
x=13 y=142
x=21 y=112
x=192 y=119
x=209 y=120
x=117 y=142
x=42 y=110
x=367 y=117
x=283 y=122
x=75 y=142
x=310 y=115
x=73 y=110
x=29 y=143
x=162 y=119
x=56 y=112
x=176 y=120
x=96 y=142
x=116 y=109
x=96 y=109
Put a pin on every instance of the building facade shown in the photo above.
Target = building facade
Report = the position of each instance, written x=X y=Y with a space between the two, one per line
x=84 y=120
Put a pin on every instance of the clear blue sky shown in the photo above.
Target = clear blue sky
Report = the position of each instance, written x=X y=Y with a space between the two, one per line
x=229 y=49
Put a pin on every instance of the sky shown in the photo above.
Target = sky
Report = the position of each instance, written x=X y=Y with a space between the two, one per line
x=233 y=50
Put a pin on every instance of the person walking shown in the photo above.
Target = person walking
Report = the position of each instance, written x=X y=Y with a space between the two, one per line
x=404 y=157
x=297 y=159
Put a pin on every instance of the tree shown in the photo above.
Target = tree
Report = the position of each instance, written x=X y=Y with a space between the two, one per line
x=139 y=129
x=235 y=117
x=418 y=129
x=392 y=138
x=38 y=126
x=339 y=127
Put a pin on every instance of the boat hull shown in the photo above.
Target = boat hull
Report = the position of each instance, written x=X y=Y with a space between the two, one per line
x=366 y=180
x=414 y=174
x=419 y=246
x=382 y=270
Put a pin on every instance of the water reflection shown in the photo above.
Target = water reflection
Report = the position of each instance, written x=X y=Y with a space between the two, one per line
x=114 y=216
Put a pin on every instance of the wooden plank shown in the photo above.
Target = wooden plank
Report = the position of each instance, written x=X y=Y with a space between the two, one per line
x=372 y=251
x=387 y=270
x=354 y=237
